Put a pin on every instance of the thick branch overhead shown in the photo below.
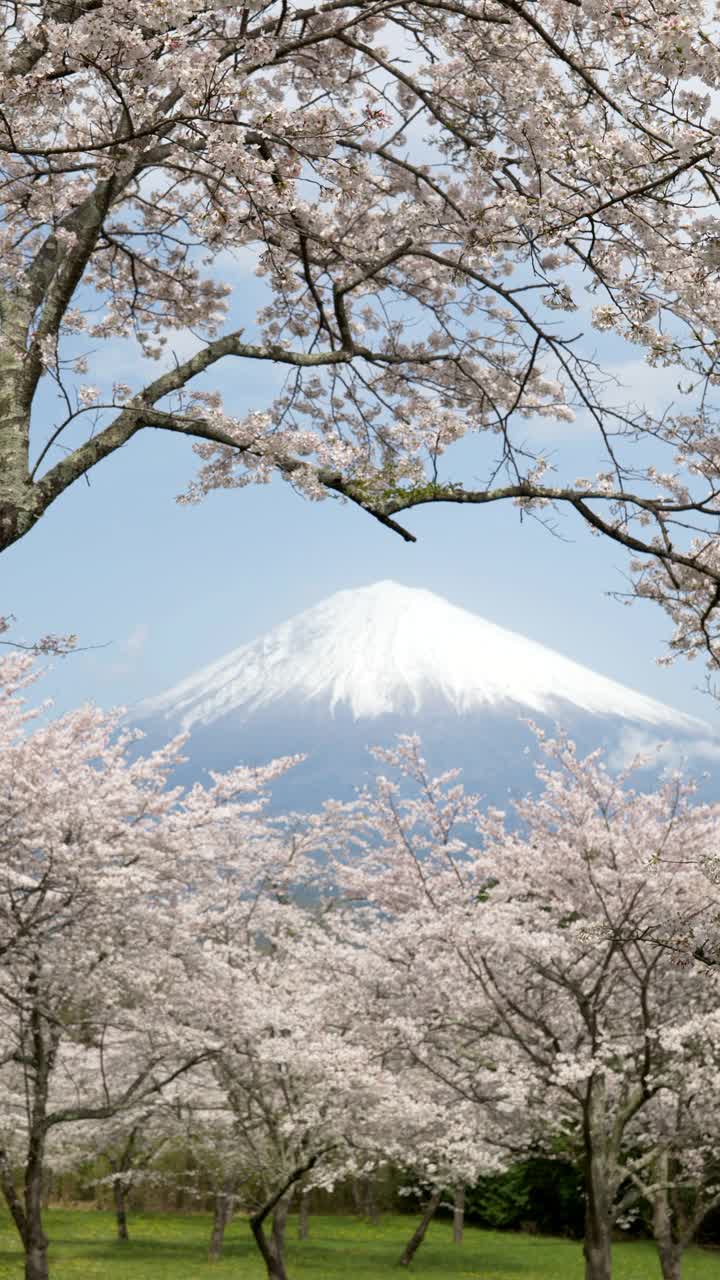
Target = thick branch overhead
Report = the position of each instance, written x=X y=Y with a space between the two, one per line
x=426 y=216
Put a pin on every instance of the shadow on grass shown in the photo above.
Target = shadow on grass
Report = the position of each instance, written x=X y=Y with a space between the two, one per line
x=163 y=1244
x=374 y=1252
x=174 y=1247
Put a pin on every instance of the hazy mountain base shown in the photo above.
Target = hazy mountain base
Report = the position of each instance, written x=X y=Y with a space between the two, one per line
x=496 y=748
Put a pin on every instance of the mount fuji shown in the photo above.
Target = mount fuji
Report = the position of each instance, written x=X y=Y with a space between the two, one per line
x=366 y=664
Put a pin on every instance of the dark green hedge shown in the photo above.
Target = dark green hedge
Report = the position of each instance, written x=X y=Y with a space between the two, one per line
x=538 y=1194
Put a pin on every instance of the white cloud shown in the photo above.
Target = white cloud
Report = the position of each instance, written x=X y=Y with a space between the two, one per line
x=649 y=388
x=135 y=644
x=670 y=753
x=132 y=649
x=629 y=385
x=236 y=264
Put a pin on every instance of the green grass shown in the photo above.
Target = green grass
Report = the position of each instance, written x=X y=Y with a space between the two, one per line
x=173 y=1247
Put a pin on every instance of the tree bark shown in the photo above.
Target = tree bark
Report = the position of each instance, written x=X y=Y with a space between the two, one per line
x=43 y=1042
x=277 y=1238
x=669 y=1247
x=18 y=499
x=304 y=1216
x=120 y=1198
x=371 y=1208
x=12 y=1198
x=458 y=1215
x=670 y=1261
x=221 y=1217
x=273 y=1250
x=418 y=1235
x=36 y=1242
x=275 y=1267
x=600 y=1162
x=598 y=1221
x=21 y=503
x=597 y=1248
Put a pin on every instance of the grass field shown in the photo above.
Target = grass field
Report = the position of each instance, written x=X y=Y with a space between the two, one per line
x=173 y=1247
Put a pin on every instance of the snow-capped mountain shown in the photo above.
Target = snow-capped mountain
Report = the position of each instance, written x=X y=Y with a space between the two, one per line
x=389 y=649
x=366 y=664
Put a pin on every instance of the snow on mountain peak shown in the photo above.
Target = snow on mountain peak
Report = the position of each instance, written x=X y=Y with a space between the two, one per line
x=390 y=648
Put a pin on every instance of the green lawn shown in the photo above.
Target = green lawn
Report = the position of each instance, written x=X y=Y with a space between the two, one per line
x=173 y=1247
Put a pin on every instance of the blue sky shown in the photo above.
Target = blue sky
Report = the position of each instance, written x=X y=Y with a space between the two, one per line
x=169 y=588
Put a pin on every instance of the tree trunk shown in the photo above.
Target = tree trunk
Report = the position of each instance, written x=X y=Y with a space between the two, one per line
x=371 y=1208
x=43 y=1043
x=598 y=1223
x=304 y=1216
x=12 y=1198
x=598 y=1193
x=221 y=1218
x=357 y=1197
x=418 y=1235
x=120 y=1198
x=669 y=1248
x=273 y=1250
x=36 y=1242
x=458 y=1215
x=18 y=497
x=670 y=1256
x=277 y=1238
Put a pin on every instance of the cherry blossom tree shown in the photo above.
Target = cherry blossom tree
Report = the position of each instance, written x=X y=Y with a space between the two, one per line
x=310 y=1099
x=201 y=1153
x=675 y=1163
x=129 y=1152
x=500 y=929
x=223 y=1163
x=123 y=1150
x=47 y=644
x=94 y=960
x=452 y=980
x=588 y=1009
x=402 y=870
x=304 y=1082
x=281 y=1085
x=427 y=252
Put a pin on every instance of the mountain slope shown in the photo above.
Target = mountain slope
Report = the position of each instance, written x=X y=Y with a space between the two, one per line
x=393 y=650
x=365 y=665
